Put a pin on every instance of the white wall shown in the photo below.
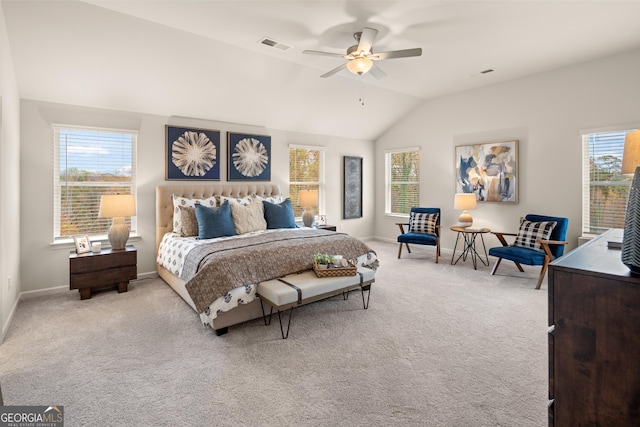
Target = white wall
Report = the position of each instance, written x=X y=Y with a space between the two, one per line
x=545 y=112
x=37 y=171
x=9 y=179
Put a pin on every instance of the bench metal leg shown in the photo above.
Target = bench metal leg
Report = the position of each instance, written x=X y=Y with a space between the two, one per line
x=264 y=318
x=368 y=289
x=284 y=337
x=268 y=322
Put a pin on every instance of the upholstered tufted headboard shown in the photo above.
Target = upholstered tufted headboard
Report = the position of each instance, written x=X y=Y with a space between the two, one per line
x=164 y=202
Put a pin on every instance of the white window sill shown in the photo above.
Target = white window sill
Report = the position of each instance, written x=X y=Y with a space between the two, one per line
x=69 y=244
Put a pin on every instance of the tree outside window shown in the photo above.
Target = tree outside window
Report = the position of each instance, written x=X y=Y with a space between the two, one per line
x=305 y=173
x=605 y=189
x=403 y=181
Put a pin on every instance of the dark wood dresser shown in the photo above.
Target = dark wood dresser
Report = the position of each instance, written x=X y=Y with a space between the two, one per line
x=594 y=337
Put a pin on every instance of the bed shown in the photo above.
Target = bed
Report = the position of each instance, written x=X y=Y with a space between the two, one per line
x=218 y=277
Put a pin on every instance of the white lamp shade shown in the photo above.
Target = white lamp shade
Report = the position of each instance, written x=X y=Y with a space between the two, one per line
x=308 y=198
x=465 y=201
x=631 y=153
x=359 y=65
x=117 y=205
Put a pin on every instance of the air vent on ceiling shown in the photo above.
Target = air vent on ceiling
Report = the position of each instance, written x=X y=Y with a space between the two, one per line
x=268 y=41
x=487 y=71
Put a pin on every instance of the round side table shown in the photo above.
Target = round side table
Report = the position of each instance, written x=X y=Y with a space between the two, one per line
x=469 y=235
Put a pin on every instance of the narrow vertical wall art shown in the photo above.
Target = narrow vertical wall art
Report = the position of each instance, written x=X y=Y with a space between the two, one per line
x=352 y=205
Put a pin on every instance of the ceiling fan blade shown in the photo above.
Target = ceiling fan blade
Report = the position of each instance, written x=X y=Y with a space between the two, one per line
x=366 y=39
x=377 y=72
x=405 y=53
x=335 y=70
x=317 y=52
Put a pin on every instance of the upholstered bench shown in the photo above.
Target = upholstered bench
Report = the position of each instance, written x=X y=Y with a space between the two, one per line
x=298 y=289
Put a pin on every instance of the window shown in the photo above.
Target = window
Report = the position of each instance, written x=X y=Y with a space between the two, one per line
x=604 y=188
x=306 y=172
x=402 y=180
x=87 y=164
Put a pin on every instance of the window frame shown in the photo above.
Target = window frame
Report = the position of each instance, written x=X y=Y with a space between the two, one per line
x=56 y=128
x=388 y=183
x=321 y=177
x=588 y=230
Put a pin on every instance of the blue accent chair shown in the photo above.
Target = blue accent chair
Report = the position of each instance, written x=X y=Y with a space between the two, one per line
x=420 y=238
x=553 y=248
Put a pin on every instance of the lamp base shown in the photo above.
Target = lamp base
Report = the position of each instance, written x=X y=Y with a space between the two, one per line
x=465 y=220
x=308 y=217
x=118 y=234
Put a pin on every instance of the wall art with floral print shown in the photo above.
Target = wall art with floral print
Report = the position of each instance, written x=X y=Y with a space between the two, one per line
x=249 y=157
x=192 y=154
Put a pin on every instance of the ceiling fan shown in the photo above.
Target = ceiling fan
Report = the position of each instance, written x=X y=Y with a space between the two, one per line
x=361 y=56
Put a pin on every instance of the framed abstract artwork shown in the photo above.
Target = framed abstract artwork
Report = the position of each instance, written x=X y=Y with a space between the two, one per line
x=489 y=170
x=249 y=157
x=192 y=154
x=352 y=205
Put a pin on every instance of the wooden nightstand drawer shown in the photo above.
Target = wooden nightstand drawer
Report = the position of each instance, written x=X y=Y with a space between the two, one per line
x=107 y=268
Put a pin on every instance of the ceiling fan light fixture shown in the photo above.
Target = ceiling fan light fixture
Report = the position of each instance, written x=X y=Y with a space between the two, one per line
x=359 y=65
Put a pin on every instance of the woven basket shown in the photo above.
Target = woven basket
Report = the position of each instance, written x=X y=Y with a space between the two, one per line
x=335 y=271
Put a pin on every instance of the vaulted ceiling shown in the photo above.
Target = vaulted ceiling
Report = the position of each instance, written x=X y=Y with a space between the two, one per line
x=203 y=59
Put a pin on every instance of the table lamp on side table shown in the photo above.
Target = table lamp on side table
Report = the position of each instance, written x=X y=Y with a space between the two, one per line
x=631 y=237
x=117 y=206
x=465 y=202
x=308 y=199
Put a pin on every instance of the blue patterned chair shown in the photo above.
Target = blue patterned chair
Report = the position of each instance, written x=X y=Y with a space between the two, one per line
x=424 y=229
x=534 y=245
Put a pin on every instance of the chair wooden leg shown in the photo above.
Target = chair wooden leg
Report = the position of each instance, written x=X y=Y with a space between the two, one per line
x=399 y=250
x=408 y=248
x=437 y=251
x=495 y=267
x=519 y=266
x=542 y=272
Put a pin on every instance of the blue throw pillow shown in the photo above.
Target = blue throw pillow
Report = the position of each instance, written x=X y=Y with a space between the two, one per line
x=215 y=222
x=279 y=215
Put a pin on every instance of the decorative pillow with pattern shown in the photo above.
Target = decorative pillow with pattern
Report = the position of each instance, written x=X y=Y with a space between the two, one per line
x=178 y=201
x=531 y=231
x=272 y=199
x=247 y=218
x=241 y=200
x=189 y=221
x=423 y=223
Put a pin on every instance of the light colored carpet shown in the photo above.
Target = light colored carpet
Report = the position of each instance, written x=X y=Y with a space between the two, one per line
x=440 y=345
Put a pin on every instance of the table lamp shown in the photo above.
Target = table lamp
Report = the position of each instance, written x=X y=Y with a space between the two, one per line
x=631 y=238
x=308 y=199
x=465 y=202
x=117 y=206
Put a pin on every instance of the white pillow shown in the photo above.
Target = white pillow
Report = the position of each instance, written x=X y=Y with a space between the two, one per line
x=240 y=200
x=247 y=218
x=185 y=202
x=272 y=199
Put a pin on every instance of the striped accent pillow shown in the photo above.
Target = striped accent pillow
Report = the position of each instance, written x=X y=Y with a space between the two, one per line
x=423 y=223
x=531 y=231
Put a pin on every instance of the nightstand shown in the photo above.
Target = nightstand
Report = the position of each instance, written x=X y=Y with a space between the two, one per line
x=107 y=268
x=327 y=227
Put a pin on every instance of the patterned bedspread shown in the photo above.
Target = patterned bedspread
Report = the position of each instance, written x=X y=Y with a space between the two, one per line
x=211 y=271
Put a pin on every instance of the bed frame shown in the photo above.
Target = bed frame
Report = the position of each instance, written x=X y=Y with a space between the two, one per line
x=164 y=224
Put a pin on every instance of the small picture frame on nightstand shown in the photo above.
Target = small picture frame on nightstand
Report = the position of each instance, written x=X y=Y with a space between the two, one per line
x=322 y=220
x=83 y=245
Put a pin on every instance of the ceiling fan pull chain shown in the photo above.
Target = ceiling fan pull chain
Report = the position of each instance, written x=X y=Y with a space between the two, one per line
x=361 y=91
